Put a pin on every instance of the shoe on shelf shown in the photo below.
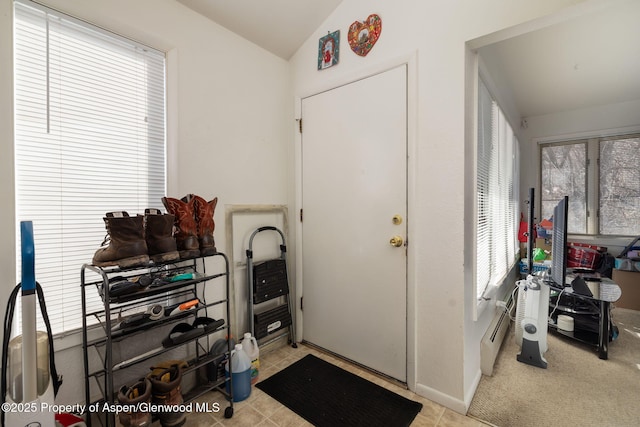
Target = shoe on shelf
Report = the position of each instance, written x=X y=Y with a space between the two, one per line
x=205 y=224
x=132 y=396
x=124 y=244
x=165 y=386
x=186 y=234
x=158 y=233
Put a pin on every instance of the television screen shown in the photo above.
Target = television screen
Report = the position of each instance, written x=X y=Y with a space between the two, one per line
x=559 y=242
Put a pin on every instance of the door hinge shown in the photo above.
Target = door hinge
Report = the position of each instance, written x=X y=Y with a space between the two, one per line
x=300 y=215
x=300 y=125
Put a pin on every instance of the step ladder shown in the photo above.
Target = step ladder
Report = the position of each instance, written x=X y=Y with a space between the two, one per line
x=270 y=309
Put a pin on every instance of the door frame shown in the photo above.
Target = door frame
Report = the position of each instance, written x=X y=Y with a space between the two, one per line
x=411 y=62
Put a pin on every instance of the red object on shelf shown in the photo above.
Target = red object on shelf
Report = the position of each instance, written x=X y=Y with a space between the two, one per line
x=601 y=249
x=582 y=257
x=69 y=420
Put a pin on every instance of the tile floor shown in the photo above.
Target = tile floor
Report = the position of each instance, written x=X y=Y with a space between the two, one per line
x=260 y=410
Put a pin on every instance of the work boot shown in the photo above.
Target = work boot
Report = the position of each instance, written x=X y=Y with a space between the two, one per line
x=204 y=223
x=165 y=385
x=185 y=223
x=131 y=396
x=158 y=232
x=126 y=244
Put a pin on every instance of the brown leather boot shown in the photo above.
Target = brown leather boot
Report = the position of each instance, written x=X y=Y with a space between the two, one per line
x=158 y=232
x=185 y=223
x=165 y=384
x=126 y=244
x=205 y=224
x=137 y=393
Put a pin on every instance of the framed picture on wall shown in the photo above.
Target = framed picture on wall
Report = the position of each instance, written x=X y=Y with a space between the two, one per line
x=363 y=35
x=329 y=50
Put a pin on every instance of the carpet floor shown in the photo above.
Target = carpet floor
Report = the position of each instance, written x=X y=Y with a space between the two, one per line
x=577 y=388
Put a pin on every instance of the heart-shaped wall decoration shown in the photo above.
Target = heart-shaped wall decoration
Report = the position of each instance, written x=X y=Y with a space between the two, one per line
x=363 y=35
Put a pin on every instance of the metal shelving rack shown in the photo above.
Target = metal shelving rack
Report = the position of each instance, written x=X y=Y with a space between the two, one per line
x=183 y=290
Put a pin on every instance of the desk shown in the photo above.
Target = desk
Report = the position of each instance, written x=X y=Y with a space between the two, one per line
x=586 y=310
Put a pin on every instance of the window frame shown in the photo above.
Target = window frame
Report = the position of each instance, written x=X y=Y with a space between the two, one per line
x=588 y=185
x=592 y=192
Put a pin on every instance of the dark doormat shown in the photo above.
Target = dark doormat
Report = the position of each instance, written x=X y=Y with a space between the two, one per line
x=328 y=396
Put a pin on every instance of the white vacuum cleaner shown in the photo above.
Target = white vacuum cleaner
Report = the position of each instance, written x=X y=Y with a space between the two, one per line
x=27 y=366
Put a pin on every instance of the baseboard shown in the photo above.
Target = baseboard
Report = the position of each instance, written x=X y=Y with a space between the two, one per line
x=450 y=402
x=472 y=390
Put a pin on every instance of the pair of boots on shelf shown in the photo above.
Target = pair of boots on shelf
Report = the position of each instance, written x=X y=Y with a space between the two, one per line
x=185 y=232
x=194 y=224
x=134 y=240
x=160 y=388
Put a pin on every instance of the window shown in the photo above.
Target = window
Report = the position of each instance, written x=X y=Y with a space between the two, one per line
x=496 y=194
x=89 y=139
x=601 y=176
x=565 y=174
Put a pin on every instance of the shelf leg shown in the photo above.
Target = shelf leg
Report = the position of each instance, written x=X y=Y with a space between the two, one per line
x=603 y=336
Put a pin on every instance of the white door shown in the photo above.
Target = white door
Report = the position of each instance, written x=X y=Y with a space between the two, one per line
x=354 y=184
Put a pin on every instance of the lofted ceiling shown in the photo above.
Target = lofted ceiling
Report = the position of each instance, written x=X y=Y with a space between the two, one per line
x=581 y=62
x=585 y=61
x=279 y=26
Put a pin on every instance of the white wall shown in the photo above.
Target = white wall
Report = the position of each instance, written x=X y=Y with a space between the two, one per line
x=446 y=339
x=229 y=106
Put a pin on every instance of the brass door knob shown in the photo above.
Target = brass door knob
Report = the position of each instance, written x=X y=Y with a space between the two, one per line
x=396 y=241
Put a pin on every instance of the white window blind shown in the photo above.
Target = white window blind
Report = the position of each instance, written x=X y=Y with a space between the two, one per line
x=89 y=139
x=497 y=194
